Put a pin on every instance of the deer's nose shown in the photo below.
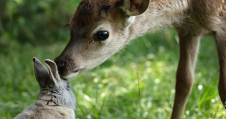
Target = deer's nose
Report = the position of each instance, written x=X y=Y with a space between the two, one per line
x=60 y=66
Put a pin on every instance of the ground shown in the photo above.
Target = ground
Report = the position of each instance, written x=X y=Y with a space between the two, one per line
x=136 y=83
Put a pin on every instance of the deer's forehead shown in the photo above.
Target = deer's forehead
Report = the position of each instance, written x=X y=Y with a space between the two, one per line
x=91 y=11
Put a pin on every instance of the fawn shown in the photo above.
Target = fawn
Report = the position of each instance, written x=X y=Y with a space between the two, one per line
x=55 y=99
x=100 y=28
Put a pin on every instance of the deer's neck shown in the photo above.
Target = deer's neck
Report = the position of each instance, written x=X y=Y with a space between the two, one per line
x=159 y=14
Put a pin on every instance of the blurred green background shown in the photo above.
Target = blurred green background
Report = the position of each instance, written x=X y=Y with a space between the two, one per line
x=136 y=83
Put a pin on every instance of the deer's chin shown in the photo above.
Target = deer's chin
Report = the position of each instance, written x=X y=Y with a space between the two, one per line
x=71 y=75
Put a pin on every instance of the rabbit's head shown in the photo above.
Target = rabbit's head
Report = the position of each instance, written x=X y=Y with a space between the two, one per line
x=53 y=90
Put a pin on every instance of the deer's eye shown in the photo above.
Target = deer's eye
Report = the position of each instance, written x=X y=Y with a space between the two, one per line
x=101 y=35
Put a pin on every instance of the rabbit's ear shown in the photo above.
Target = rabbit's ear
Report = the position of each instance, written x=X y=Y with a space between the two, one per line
x=53 y=72
x=41 y=73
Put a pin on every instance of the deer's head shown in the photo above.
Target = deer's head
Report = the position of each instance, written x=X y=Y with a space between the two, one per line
x=98 y=29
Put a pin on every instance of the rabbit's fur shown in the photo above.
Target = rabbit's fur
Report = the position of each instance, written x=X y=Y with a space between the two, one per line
x=55 y=99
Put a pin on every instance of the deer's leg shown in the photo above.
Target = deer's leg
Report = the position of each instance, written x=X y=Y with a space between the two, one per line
x=220 y=39
x=185 y=73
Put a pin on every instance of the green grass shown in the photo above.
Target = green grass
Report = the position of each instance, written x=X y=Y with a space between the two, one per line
x=136 y=83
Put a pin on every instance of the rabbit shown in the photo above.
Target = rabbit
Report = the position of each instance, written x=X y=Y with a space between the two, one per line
x=55 y=99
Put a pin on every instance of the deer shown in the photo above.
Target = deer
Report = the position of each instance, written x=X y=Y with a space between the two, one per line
x=55 y=99
x=100 y=28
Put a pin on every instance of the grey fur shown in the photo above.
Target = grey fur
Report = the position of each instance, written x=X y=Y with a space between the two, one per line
x=55 y=99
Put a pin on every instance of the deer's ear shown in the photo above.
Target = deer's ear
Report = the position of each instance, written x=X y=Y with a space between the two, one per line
x=41 y=73
x=53 y=72
x=135 y=7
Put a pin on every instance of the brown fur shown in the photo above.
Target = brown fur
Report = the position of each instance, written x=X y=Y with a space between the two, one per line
x=191 y=18
x=92 y=11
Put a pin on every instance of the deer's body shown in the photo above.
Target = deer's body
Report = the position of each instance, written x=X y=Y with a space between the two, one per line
x=185 y=15
x=124 y=20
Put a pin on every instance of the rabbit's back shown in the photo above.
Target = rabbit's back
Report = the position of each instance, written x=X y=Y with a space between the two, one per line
x=35 y=111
